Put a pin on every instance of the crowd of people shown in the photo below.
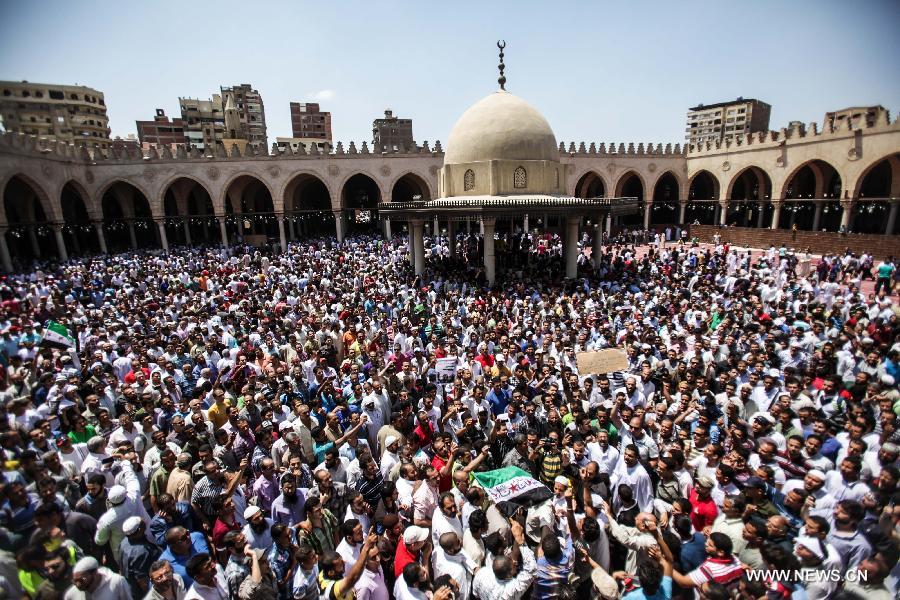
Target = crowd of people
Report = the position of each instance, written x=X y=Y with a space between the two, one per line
x=236 y=423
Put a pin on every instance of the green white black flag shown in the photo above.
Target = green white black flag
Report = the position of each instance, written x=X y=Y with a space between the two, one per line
x=57 y=336
x=512 y=488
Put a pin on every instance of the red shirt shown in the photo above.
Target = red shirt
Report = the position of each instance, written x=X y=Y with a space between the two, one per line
x=446 y=482
x=704 y=512
x=220 y=529
x=423 y=436
x=402 y=558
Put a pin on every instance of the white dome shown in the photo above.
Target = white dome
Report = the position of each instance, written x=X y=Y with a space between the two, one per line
x=501 y=127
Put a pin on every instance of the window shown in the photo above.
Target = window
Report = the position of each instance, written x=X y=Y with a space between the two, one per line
x=56 y=95
x=39 y=94
x=469 y=180
x=7 y=93
x=73 y=97
x=520 y=179
x=26 y=93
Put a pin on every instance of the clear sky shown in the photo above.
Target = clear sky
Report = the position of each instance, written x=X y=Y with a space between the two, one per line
x=602 y=71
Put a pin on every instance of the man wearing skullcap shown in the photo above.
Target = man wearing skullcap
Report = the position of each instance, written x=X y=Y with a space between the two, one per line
x=90 y=581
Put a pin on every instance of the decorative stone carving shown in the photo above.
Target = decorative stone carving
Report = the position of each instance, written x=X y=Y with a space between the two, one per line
x=385 y=170
x=212 y=173
x=726 y=166
x=89 y=177
x=852 y=154
x=274 y=171
x=150 y=174
x=611 y=168
x=433 y=169
x=469 y=180
x=651 y=167
x=779 y=161
x=520 y=178
x=333 y=170
x=46 y=169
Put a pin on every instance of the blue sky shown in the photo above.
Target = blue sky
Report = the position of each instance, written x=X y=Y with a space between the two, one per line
x=604 y=71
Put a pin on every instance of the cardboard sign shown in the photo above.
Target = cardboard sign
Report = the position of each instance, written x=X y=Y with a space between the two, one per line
x=602 y=361
x=446 y=369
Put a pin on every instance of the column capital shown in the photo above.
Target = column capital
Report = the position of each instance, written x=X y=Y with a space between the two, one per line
x=417 y=222
x=489 y=221
x=57 y=225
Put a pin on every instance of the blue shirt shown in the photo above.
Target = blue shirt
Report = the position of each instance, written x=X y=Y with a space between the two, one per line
x=663 y=593
x=179 y=561
x=553 y=575
x=693 y=553
x=498 y=400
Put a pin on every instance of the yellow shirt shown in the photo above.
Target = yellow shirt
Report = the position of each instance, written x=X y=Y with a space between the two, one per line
x=218 y=413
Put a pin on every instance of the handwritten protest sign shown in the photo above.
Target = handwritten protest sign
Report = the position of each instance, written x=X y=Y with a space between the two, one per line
x=601 y=361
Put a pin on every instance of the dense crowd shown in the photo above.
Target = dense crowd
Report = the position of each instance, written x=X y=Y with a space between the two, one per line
x=235 y=423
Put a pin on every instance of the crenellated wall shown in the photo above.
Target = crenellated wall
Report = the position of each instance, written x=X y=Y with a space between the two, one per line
x=591 y=168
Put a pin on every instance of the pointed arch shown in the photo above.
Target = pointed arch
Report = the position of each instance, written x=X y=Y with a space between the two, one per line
x=880 y=178
x=590 y=185
x=409 y=185
x=703 y=185
x=631 y=184
x=666 y=192
x=813 y=179
x=24 y=197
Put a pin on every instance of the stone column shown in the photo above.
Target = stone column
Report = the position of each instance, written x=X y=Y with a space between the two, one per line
x=817 y=216
x=481 y=225
x=417 y=233
x=723 y=212
x=682 y=210
x=76 y=245
x=760 y=216
x=598 y=238
x=132 y=235
x=571 y=247
x=101 y=237
x=187 y=231
x=5 y=259
x=291 y=235
x=282 y=237
x=163 y=239
x=339 y=225
x=223 y=231
x=490 y=267
x=60 y=242
x=847 y=215
x=437 y=227
x=892 y=217
x=451 y=237
x=647 y=208
x=525 y=224
x=608 y=228
x=387 y=229
x=776 y=214
x=32 y=237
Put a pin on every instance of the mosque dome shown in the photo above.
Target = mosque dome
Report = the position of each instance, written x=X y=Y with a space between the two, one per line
x=501 y=127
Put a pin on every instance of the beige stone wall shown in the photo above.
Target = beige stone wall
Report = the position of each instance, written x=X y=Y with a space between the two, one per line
x=47 y=167
x=497 y=177
x=780 y=155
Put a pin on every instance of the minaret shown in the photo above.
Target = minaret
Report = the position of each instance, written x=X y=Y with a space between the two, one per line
x=232 y=119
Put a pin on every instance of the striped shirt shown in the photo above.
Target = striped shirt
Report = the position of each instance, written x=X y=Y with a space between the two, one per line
x=722 y=570
x=371 y=488
x=205 y=494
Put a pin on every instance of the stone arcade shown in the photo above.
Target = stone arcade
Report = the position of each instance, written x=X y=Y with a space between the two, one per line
x=61 y=200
